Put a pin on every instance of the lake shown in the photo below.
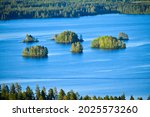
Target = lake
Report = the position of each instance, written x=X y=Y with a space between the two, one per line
x=95 y=72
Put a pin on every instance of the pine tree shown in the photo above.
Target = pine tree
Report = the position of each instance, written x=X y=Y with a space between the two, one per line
x=50 y=94
x=37 y=92
x=29 y=95
x=12 y=93
x=131 y=98
x=43 y=94
x=61 y=94
x=18 y=91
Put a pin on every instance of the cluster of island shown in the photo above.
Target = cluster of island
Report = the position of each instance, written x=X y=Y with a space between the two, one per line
x=71 y=38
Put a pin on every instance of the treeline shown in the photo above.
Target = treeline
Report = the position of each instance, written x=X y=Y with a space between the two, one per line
x=15 y=92
x=17 y=9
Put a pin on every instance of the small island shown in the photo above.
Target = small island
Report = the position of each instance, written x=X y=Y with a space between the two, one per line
x=67 y=37
x=108 y=42
x=123 y=36
x=76 y=47
x=29 y=39
x=35 y=51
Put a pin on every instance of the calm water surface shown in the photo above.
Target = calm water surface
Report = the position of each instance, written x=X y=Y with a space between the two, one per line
x=95 y=72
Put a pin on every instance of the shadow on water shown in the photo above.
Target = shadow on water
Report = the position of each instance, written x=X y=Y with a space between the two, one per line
x=108 y=50
x=36 y=58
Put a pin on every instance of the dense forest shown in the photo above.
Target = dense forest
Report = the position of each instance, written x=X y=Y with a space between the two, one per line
x=35 y=51
x=108 y=42
x=17 y=9
x=15 y=92
x=67 y=37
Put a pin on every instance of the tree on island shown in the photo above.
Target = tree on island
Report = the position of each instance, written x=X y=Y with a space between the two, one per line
x=67 y=37
x=76 y=47
x=123 y=36
x=29 y=39
x=108 y=42
x=35 y=51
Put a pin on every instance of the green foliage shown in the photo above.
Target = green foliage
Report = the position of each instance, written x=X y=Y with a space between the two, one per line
x=4 y=92
x=29 y=95
x=67 y=37
x=37 y=92
x=43 y=94
x=61 y=94
x=76 y=47
x=140 y=98
x=107 y=42
x=14 y=91
x=29 y=39
x=131 y=98
x=50 y=94
x=12 y=95
x=18 y=9
x=35 y=51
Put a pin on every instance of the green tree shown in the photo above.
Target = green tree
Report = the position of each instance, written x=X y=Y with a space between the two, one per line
x=50 y=94
x=71 y=95
x=18 y=91
x=37 y=92
x=43 y=94
x=131 y=98
x=12 y=93
x=61 y=94
x=76 y=48
x=55 y=93
x=67 y=37
x=107 y=42
x=106 y=97
x=140 y=98
x=87 y=97
x=4 y=92
x=29 y=95
x=94 y=98
x=35 y=51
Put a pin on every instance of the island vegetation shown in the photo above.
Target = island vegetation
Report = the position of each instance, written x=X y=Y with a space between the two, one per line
x=18 y=9
x=76 y=47
x=29 y=39
x=35 y=51
x=15 y=92
x=123 y=36
x=107 y=42
x=67 y=37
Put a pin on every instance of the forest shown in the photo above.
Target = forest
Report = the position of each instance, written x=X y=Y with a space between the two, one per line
x=108 y=42
x=23 y=9
x=15 y=92
x=35 y=51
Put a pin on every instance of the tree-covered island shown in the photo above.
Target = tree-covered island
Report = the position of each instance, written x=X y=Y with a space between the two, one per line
x=108 y=42
x=30 y=39
x=35 y=51
x=67 y=37
x=76 y=47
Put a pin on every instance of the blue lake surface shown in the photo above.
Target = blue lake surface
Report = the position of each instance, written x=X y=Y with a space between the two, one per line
x=95 y=72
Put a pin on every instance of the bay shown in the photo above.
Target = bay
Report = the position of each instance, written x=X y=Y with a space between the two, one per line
x=95 y=72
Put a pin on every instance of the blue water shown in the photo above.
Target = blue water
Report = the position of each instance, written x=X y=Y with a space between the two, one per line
x=95 y=72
